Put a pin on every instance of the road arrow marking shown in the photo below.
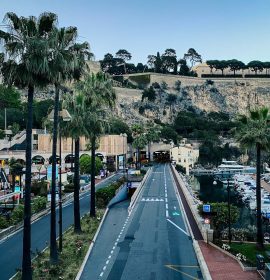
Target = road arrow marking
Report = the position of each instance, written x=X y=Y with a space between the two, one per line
x=177 y=227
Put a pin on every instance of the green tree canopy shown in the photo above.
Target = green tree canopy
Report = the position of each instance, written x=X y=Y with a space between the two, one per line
x=256 y=66
x=85 y=164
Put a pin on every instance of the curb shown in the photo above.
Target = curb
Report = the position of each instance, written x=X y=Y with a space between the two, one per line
x=202 y=263
x=244 y=268
x=138 y=191
x=79 y=274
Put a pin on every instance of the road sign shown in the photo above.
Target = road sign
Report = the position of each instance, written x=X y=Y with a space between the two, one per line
x=206 y=208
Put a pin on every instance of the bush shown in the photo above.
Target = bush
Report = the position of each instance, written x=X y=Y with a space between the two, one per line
x=69 y=188
x=39 y=188
x=180 y=168
x=39 y=204
x=17 y=214
x=111 y=167
x=104 y=195
x=3 y=222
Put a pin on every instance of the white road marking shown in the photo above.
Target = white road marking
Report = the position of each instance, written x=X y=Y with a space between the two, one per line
x=101 y=274
x=109 y=256
x=167 y=214
x=178 y=227
x=104 y=268
x=107 y=261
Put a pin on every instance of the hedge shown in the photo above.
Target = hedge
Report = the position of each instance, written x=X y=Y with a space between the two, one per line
x=104 y=195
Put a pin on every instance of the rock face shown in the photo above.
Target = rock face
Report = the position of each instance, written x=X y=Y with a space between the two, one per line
x=232 y=96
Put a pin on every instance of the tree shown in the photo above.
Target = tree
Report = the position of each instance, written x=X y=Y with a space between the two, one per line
x=220 y=220
x=254 y=131
x=85 y=164
x=77 y=127
x=150 y=94
x=100 y=96
x=192 y=56
x=169 y=61
x=124 y=55
x=10 y=97
x=118 y=126
x=26 y=45
x=152 y=135
x=139 y=142
x=235 y=65
x=67 y=63
x=155 y=62
x=168 y=134
x=184 y=70
x=15 y=128
x=212 y=64
x=221 y=65
x=266 y=66
x=256 y=66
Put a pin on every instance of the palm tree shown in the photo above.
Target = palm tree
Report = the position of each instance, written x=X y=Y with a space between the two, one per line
x=152 y=135
x=99 y=94
x=139 y=142
x=26 y=65
x=77 y=127
x=254 y=131
x=66 y=63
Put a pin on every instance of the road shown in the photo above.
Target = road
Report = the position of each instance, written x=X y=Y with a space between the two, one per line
x=152 y=243
x=11 y=248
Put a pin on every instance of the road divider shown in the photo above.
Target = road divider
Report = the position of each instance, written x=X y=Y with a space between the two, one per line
x=136 y=194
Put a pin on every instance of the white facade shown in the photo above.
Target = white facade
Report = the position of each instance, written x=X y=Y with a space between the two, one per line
x=185 y=155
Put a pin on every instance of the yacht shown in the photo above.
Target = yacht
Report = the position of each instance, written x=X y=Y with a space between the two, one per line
x=231 y=167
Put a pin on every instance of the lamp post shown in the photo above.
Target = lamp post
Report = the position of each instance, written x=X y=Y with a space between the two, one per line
x=229 y=211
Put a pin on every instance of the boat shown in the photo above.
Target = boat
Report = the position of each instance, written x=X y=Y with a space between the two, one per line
x=229 y=168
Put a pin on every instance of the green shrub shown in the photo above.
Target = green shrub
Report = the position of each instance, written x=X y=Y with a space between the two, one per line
x=69 y=188
x=104 y=195
x=39 y=188
x=3 y=222
x=17 y=214
x=39 y=204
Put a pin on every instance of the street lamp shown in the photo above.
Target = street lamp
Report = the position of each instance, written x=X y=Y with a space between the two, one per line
x=229 y=211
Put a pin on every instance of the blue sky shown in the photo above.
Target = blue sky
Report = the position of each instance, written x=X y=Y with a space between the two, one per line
x=217 y=29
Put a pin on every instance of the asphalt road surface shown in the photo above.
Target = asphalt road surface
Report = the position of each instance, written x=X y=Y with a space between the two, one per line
x=152 y=243
x=11 y=248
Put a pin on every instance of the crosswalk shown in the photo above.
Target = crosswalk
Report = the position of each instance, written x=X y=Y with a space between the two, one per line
x=152 y=199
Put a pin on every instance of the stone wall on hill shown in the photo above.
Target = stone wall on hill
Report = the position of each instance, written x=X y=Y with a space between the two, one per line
x=232 y=96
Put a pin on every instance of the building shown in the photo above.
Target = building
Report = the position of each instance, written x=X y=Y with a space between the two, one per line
x=185 y=155
x=112 y=148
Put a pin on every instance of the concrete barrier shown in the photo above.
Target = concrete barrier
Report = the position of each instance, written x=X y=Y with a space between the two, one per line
x=199 y=220
x=135 y=196
x=120 y=195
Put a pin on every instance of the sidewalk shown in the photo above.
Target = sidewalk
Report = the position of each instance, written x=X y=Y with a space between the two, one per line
x=223 y=267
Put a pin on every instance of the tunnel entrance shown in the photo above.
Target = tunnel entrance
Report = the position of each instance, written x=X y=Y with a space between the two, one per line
x=161 y=156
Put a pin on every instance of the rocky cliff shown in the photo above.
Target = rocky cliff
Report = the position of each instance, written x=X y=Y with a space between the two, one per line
x=232 y=96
